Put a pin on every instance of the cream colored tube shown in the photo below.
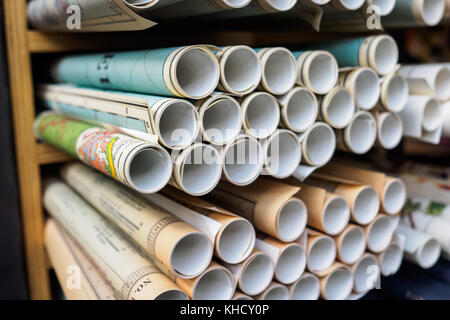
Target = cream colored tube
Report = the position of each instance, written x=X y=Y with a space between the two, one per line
x=366 y=273
x=379 y=233
x=305 y=288
x=389 y=129
x=393 y=197
x=390 y=259
x=364 y=85
x=275 y=291
x=318 y=144
x=350 y=244
x=337 y=107
x=394 y=92
x=299 y=109
x=320 y=253
x=360 y=135
x=379 y=53
x=428 y=79
x=421 y=113
x=336 y=282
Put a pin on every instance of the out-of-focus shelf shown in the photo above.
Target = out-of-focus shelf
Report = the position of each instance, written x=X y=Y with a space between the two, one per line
x=47 y=154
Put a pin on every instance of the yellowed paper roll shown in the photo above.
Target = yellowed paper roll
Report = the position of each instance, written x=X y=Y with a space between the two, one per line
x=350 y=244
x=275 y=291
x=379 y=233
x=336 y=282
x=320 y=252
x=336 y=107
x=307 y=287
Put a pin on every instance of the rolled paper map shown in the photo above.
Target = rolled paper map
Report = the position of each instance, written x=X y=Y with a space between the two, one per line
x=317 y=70
x=360 y=135
x=220 y=118
x=318 y=144
x=174 y=121
x=321 y=251
x=268 y=205
x=279 y=70
x=412 y=13
x=299 y=109
x=351 y=244
x=305 y=288
x=261 y=114
x=366 y=273
x=133 y=276
x=254 y=274
x=189 y=71
x=420 y=248
x=428 y=79
x=240 y=70
x=240 y=296
x=236 y=237
x=181 y=248
x=336 y=107
x=336 y=282
x=275 y=291
x=243 y=160
x=389 y=129
x=364 y=85
x=140 y=165
x=197 y=169
x=391 y=258
x=379 y=233
x=393 y=92
x=65 y=256
x=282 y=154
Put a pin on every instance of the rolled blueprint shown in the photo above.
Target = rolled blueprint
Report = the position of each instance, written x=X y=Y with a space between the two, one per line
x=275 y=291
x=174 y=121
x=317 y=70
x=336 y=282
x=236 y=237
x=268 y=205
x=129 y=273
x=411 y=13
x=181 y=248
x=337 y=107
x=321 y=252
x=282 y=154
x=393 y=92
x=350 y=244
x=389 y=129
x=220 y=118
x=305 y=288
x=240 y=296
x=318 y=144
x=261 y=114
x=364 y=85
x=360 y=135
x=299 y=109
x=140 y=165
x=379 y=233
x=197 y=169
x=366 y=273
x=189 y=71
x=391 y=258
x=279 y=70
x=66 y=257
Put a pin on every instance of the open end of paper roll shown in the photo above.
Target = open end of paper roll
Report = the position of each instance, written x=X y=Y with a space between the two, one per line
x=291 y=264
x=385 y=6
x=390 y=130
x=442 y=83
x=432 y=116
x=172 y=295
x=429 y=253
x=352 y=245
x=361 y=133
x=306 y=288
x=386 y=55
x=364 y=272
x=282 y=5
x=397 y=93
x=241 y=70
x=222 y=121
x=283 y=154
x=432 y=11
x=277 y=292
x=150 y=170
x=323 y=72
x=178 y=125
x=292 y=220
x=367 y=89
x=236 y=241
x=243 y=161
x=380 y=234
x=237 y=3
x=197 y=73
x=257 y=275
x=280 y=71
x=262 y=115
x=391 y=259
x=338 y=285
x=191 y=255
x=320 y=144
x=215 y=284
x=394 y=197
x=301 y=110
x=202 y=170
x=366 y=206
x=352 y=4
x=321 y=254
x=340 y=109
x=336 y=215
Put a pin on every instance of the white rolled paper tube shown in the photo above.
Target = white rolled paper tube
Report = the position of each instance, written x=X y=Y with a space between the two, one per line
x=347 y=5
x=276 y=5
x=197 y=169
x=279 y=70
x=299 y=109
x=394 y=196
x=292 y=220
x=385 y=6
x=321 y=253
x=336 y=215
x=351 y=244
x=360 y=135
x=432 y=115
x=379 y=53
x=390 y=129
x=215 y=284
x=338 y=284
x=428 y=79
x=365 y=87
x=413 y=13
x=421 y=113
x=261 y=114
x=275 y=291
x=282 y=153
x=366 y=205
x=337 y=107
x=379 y=233
x=318 y=144
x=390 y=259
x=236 y=241
x=290 y=264
x=243 y=160
x=306 y=288
x=394 y=93
x=257 y=274
x=366 y=273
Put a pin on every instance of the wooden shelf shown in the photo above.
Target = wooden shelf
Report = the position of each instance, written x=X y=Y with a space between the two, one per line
x=47 y=154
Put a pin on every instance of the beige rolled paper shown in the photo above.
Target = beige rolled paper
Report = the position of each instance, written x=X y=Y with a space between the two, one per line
x=336 y=107
x=318 y=144
x=379 y=233
x=240 y=296
x=366 y=273
x=350 y=244
x=360 y=135
x=260 y=113
x=220 y=118
x=320 y=253
x=413 y=13
x=129 y=273
x=389 y=129
x=235 y=239
x=181 y=248
x=305 y=288
x=393 y=92
x=197 y=169
x=268 y=205
x=336 y=282
x=66 y=258
x=299 y=109
x=275 y=291
x=364 y=85
x=390 y=259
x=380 y=53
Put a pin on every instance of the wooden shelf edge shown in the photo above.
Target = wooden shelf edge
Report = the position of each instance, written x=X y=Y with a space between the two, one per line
x=47 y=154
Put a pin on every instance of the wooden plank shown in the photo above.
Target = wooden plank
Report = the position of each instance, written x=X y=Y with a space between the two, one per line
x=47 y=154
x=21 y=84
